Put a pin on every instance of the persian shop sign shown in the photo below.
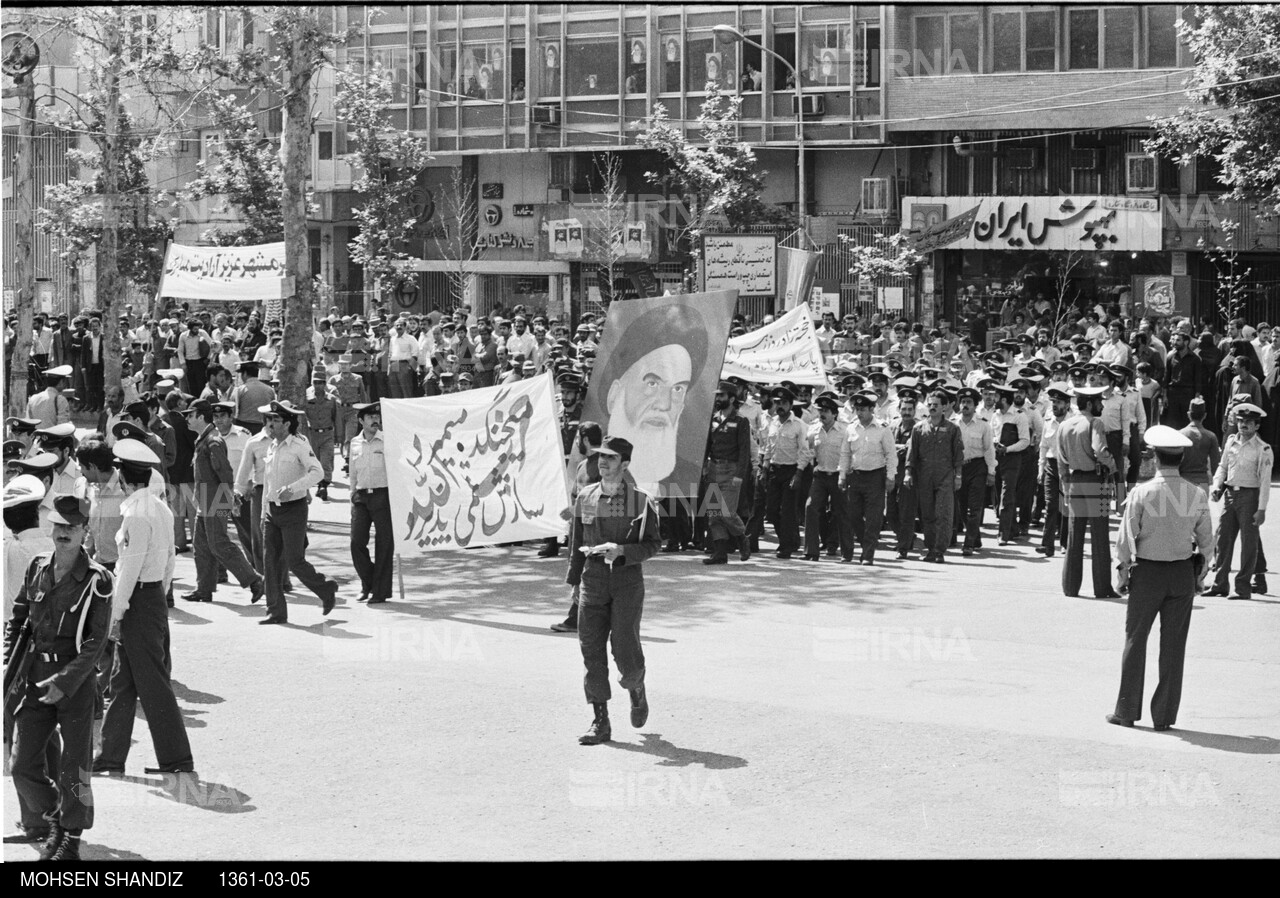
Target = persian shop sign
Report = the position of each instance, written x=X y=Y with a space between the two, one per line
x=1085 y=223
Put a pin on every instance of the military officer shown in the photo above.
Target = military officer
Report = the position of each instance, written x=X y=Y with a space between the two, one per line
x=322 y=422
x=24 y=431
x=1011 y=432
x=868 y=466
x=1243 y=481
x=61 y=618
x=1165 y=521
x=370 y=506
x=348 y=391
x=290 y=469
x=615 y=530
x=978 y=472
x=1049 y=474
x=1082 y=450
x=728 y=467
x=786 y=454
x=935 y=462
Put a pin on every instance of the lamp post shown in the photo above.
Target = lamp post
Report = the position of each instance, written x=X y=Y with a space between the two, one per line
x=728 y=34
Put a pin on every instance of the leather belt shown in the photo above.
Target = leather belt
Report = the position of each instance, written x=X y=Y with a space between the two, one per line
x=152 y=584
x=55 y=659
x=369 y=490
x=321 y=429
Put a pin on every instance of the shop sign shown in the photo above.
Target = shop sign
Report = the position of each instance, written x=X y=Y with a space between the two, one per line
x=1179 y=262
x=522 y=210
x=491 y=191
x=493 y=215
x=1092 y=223
x=505 y=240
x=743 y=262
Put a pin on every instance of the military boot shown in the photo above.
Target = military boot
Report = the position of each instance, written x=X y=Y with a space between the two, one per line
x=69 y=848
x=719 y=553
x=639 y=707
x=1260 y=583
x=744 y=547
x=322 y=491
x=600 y=730
x=53 y=842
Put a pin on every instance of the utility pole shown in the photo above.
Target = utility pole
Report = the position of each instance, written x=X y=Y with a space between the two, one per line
x=109 y=286
x=24 y=90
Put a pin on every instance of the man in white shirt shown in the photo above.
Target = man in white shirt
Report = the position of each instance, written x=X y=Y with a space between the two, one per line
x=402 y=361
x=522 y=342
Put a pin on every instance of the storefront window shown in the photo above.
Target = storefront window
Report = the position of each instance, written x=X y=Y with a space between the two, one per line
x=671 y=57
x=593 y=66
x=548 y=68
x=826 y=55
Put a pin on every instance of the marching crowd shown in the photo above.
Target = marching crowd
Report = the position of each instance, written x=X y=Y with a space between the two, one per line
x=914 y=435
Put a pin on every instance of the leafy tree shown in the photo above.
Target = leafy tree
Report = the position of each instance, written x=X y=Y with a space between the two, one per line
x=887 y=257
x=390 y=162
x=247 y=172
x=1236 y=89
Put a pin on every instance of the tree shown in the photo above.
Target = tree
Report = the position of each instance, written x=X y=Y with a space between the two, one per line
x=609 y=229
x=456 y=238
x=1064 y=306
x=886 y=257
x=390 y=162
x=721 y=175
x=1229 y=285
x=1235 y=86
x=247 y=172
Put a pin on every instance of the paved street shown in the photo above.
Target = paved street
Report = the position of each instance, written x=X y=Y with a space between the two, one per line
x=799 y=710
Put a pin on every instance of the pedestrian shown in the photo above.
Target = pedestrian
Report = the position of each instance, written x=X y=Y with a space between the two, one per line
x=1164 y=531
x=290 y=469
x=935 y=462
x=251 y=395
x=590 y=438
x=23 y=540
x=615 y=530
x=728 y=466
x=140 y=625
x=1200 y=459
x=322 y=423
x=59 y=628
x=371 y=506
x=902 y=507
x=1049 y=473
x=1087 y=466
x=868 y=466
x=1011 y=433
x=1243 y=481
x=979 y=470
x=49 y=406
x=786 y=454
x=213 y=496
x=348 y=391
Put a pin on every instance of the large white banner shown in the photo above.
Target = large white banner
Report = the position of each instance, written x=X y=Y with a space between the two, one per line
x=787 y=349
x=1085 y=223
x=475 y=468
x=225 y=272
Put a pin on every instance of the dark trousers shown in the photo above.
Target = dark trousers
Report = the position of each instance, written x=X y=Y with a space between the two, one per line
x=780 y=507
x=214 y=549
x=96 y=385
x=69 y=801
x=936 y=491
x=372 y=509
x=141 y=673
x=1176 y=406
x=1025 y=491
x=903 y=508
x=1238 y=508
x=1052 y=492
x=245 y=529
x=723 y=521
x=866 y=509
x=1008 y=470
x=823 y=488
x=609 y=609
x=969 y=502
x=255 y=525
x=197 y=375
x=1115 y=447
x=254 y=427
x=1167 y=589
x=284 y=547
x=1089 y=509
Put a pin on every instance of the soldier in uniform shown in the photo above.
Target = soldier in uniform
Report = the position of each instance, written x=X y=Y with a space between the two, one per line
x=1011 y=433
x=570 y=416
x=786 y=455
x=371 y=506
x=61 y=618
x=1243 y=480
x=728 y=466
x=1166 y=521
x=348 y=390
x=1086 y=465
x=935 y=462
x=901 y=506
x=1049 y=474
x=868 y=465
x=979 y=471
x=322 y=422
x=615 y=530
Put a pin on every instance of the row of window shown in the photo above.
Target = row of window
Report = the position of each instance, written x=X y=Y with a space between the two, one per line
x=1045 y=40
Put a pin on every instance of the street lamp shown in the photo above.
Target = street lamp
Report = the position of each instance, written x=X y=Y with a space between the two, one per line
x=727 y=34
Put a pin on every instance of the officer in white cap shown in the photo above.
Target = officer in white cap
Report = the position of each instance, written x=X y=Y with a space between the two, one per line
x=49 y=405
x=1164 y=519
x=61 y=441
x=22 y=497
x=1086 y=465
x=1243 y=482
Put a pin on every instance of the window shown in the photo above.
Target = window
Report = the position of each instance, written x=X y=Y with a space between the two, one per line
x=826 y=55
x=480 y=71
x=1119 y=30
x=947 y=44
x=447 y=74
x=1024 y=41
x=707 y=60
x=752 y=65
x=671 y=56
x=421 y=86
x=867 y=56
x=1041 y=41
x=784 y=44
x=516 y=74
x=1142 y=171
x=227 y=32
x=1162 y=36
x=394 y=62
x=593 y=66
x=1006 y=42
x=1105 y=41
x=548 y=68
x=636 y=65
x=324 y=146
x=141 y=36
x=211 y=148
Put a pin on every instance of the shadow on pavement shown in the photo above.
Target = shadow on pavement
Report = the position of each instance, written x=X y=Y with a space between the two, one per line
x=189 y=789
x=92 y=852
x=178 y=616
x=196 y=697
x=674 y=756
x=327 y=629
x=1245 y=745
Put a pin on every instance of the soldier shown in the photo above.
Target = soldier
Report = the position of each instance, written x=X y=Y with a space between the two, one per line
x=289 y=471
x=1081 y=447
x=1011 y=433
x=615 y=530
x=901 y=505
x=935 y=460
x=570 y=416
x=826 y=444
x=728 y=466
x=786 y=454
x=348 y=391
x=371 y=506
x=1048 y=473
x=978 y=472
x=868 y=465
x=1244 y=479
x=322 y=422
x=61 y=618
x=49 y=406
x=1164 y=520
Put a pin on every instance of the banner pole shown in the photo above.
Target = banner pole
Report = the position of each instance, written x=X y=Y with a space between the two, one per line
x=400 y=571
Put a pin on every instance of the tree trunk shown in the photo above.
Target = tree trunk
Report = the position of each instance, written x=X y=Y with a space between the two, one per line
x=24 y=293
x=109 y=282
x=295 y=157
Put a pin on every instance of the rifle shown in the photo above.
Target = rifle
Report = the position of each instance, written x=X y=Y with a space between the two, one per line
x=16 y=666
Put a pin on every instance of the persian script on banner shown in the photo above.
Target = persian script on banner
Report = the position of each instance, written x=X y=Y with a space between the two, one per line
x=225 y=272
x=475 y=468
x=787 y=349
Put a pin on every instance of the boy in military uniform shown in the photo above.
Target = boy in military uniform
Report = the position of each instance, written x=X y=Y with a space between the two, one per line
x=322 y=422
x=615 y=530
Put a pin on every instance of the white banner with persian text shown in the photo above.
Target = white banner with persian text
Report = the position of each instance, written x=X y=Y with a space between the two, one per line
x=225 y=272
x=787 y=349
x=475 y=468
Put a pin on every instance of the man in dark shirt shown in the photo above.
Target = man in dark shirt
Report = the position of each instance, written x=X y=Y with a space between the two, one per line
x=728 y=465
x=1182 y=377
x=935 y=460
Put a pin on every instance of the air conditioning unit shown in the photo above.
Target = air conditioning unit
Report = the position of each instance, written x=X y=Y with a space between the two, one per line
x=809 y=104
x=1022 y=157
x=1142 y=173
x=877 y=196
x=1086 y=158
x=545 y=114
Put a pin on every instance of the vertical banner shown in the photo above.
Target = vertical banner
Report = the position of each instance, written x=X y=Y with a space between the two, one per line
x=796 y=268
x=655 y=380
x=475 y=468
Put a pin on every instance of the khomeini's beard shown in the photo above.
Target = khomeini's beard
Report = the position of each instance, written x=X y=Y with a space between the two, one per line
x=654 y=455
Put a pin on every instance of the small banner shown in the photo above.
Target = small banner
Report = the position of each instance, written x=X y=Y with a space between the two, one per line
x=796 y=268
x=787 y=349
x=475 y=468
x=945 y=233
x=231 y=273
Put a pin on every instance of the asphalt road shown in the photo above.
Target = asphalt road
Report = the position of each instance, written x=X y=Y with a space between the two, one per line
x=798 y=710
